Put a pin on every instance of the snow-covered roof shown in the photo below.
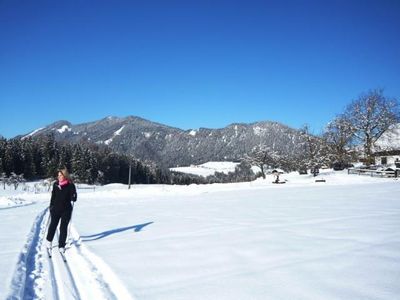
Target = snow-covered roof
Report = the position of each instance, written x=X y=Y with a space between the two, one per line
x=390 y=139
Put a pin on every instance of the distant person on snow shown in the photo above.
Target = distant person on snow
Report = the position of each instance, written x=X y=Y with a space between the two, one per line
x=64 y=192
x=275 y=173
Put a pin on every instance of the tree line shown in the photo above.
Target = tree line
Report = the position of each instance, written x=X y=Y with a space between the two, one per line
x=41 y=158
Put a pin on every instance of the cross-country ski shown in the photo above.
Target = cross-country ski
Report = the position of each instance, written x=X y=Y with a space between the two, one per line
x=63 y=256
x=49 y=252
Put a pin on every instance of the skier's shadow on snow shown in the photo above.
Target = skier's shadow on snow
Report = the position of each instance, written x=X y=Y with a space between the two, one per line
x=101 y=235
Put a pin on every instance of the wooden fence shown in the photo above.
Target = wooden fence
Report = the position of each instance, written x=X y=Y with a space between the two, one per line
x=88 y=187
x=373 y=173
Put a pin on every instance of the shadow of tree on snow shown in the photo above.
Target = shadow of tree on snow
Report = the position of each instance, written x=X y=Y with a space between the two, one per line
x=101 y=235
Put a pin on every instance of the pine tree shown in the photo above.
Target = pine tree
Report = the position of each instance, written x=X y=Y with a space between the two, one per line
x=50 y=160
x=111 y=168
x=65 y=160
x=38 y=159
x=8 y=159
x=28 y=161
x=3 y=143
x=93 y=169
x=77 y=164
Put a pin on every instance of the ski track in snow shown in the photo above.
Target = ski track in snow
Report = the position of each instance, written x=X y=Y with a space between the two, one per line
x=27 y=282
x=82 y=276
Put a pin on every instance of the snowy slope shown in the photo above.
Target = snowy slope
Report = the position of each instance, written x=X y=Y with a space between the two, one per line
x=208 y=168
x=257 y=240
x=211 y=167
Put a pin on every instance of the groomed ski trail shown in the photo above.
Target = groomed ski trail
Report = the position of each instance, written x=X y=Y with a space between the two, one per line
x=83 y=276
x=28 y=279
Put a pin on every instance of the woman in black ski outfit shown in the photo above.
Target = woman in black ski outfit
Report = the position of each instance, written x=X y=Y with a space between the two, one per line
x=64 y=192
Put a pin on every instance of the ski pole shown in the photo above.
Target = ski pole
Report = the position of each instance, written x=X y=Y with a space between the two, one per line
x=47 y=227
x=48 y=220
x=69 y=225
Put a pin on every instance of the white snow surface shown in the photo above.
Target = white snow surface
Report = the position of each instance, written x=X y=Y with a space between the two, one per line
x=12 y=202
x=258 y=130
x=337 y=239
x=118 y=132
x=32 y=133
x=208 y=168
x=64 y=128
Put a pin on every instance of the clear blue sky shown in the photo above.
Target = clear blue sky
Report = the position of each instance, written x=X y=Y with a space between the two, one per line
x=192 y=64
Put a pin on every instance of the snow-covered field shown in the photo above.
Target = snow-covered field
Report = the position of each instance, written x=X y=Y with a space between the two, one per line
x=208 y=168
x=337 y=239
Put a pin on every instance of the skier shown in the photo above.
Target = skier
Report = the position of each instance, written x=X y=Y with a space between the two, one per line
x=63 y=193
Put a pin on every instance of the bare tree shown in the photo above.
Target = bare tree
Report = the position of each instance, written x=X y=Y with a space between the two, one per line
x=313 y=150
x=262 y=157
x=15 y=179
x=339 y=135
x=370 y=116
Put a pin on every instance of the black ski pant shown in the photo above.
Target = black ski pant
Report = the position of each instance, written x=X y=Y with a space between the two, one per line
x=65 y=217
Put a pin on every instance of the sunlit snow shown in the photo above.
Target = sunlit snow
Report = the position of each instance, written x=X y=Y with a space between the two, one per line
x=337 y=239
x=258 y=130
x=208 y=168
x=64 y=128
x=118 y=132
x=32 y=133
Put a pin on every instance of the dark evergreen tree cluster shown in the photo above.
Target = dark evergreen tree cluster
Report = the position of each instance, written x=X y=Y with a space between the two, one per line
x=41 y=158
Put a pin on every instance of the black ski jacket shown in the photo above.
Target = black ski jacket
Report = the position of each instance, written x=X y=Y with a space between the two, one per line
x=61 y=197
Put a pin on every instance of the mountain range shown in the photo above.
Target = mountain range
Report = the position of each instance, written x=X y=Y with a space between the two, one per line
x=172 y=147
